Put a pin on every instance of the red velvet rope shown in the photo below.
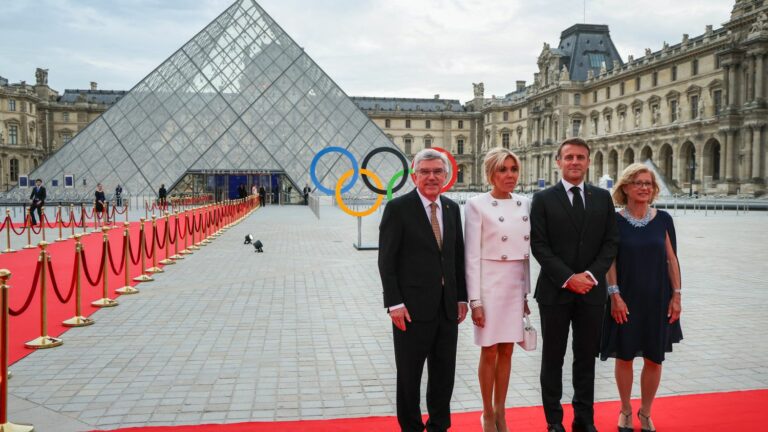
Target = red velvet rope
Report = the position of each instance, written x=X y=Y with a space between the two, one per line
x=39 y=227
x=172 y=237
x=85 y=212
x=130 y=252
x=125 y=209
x=147 y=252
x=5 y=222
x=85 y=268
x=56 y=287
x=35 y=279
x=23 y=229
x=160 y=245
x=112 y=262
x=189 y=228
x=54 y=225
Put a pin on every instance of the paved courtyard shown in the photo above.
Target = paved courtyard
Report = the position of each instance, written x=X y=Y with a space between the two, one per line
x=299 y=332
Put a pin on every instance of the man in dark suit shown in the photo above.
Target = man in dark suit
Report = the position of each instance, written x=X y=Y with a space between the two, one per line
x=574 y=238
x=421 y=262
x=38 y=201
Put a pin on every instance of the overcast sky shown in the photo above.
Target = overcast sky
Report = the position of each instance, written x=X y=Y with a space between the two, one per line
x=397 y=48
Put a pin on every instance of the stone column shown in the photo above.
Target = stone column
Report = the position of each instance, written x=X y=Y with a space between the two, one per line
x=757 y=151
x=723 y=151
x=759 y=77
x=732 y=94
x=730 y=157
x=550 y=173
x=749 y=85
x=746 y=170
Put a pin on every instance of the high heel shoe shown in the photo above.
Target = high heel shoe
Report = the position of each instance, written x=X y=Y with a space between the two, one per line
x=625 y=422
x=491 y=428
x=646 y=424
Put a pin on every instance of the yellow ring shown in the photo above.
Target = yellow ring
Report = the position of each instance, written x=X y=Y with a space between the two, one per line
x=340 y=200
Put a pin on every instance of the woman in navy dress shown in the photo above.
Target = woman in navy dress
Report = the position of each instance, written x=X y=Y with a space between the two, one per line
x=644 y=291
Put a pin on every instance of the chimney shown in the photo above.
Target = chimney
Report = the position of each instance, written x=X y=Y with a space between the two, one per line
x=437 y=96
x=520 y=85
x=93 y=85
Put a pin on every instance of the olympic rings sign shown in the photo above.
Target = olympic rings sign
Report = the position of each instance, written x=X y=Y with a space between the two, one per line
x=356 y=171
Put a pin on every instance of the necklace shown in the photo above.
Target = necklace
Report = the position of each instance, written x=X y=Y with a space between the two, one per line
x=635 y=222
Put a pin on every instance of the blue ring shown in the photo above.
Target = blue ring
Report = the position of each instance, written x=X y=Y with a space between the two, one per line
x=316 y=159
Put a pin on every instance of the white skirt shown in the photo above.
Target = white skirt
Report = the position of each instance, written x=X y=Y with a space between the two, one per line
x=503 y=286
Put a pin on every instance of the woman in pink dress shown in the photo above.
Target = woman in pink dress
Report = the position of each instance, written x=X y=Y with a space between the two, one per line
x=497 y=233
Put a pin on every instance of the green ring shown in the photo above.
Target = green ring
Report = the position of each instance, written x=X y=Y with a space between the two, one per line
x=392 y=181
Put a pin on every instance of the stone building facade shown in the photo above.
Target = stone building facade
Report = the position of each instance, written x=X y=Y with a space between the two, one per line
x=696 y=109
x=35 y=121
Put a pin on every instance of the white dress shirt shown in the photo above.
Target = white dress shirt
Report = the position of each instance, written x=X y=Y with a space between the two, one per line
x=568 y=192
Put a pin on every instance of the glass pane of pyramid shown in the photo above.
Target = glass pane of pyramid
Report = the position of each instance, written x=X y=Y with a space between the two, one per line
x=242 y=96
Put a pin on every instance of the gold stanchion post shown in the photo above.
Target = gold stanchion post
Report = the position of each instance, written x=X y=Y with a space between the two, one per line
x=167 y=260
x=78 y=320
x=105 y=301
x=207 y=226
x=127 y=288
x=5 y=425
x=43 y=341
x=186 y=250
x=72 y=219
x=176 y=255
x=143 y=277
x=194 y=246
x=28 y=227
x=82 y=219
x=61 y=227
x=8 y=228
x=42 y=223
x=154 y=268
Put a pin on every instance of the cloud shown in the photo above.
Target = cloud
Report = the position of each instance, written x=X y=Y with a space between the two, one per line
x=407 y=48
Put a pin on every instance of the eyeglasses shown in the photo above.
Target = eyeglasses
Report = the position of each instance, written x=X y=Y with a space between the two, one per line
x=436 y=172
x=642 y=184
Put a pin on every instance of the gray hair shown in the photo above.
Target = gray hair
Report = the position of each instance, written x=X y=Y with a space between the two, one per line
x=432 y=154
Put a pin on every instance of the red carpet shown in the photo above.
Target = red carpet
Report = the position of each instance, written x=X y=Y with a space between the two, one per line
x=22 y=264
x=711 y=412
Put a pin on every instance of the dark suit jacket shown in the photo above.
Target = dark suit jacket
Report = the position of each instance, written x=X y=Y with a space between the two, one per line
x=563 y=249
x=38 y=194
x=411 y=265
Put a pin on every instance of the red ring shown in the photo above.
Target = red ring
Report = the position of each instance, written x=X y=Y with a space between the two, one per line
x=454 y=169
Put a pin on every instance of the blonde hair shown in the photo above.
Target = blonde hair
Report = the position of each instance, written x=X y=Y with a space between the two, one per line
x=495 y=158
x=627 y=177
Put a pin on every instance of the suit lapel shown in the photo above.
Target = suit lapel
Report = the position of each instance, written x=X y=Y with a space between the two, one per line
x=448 y=221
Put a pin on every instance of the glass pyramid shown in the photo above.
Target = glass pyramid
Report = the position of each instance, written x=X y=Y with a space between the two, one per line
x=239 y=96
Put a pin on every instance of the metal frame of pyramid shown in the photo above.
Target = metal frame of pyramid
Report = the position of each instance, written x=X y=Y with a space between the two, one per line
x=241 y=95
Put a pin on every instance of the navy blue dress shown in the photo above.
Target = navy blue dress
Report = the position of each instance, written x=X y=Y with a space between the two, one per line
x=641 y=270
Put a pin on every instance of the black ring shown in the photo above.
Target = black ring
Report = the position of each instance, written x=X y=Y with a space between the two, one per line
x=399 y=155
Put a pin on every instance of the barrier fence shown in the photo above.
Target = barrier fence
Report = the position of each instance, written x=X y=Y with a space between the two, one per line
x=195 y=227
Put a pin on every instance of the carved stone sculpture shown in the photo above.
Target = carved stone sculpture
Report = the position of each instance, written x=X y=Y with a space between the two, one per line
x=564 y=75
x=760 y=24
x=647 y=52
x=41 y=76
x=479 y=89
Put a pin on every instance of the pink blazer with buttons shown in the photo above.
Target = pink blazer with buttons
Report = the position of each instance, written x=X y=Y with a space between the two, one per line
x=493 y=233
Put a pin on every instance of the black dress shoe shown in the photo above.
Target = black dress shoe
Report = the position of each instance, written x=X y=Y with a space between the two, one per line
x=555 y=427
x=582 y=427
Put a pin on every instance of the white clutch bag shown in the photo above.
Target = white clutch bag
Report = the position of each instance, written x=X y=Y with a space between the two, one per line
x=529 y=335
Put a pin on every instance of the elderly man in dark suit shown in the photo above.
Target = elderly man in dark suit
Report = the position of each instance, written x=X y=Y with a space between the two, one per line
x=38 y=201
x=574 y=238
x=421 y=262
